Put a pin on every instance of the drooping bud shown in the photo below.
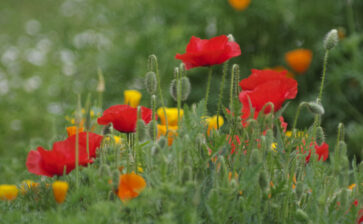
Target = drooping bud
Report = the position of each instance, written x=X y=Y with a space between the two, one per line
x=316 y=108
x=320 y=136
x=151 y=82
x=331 y=39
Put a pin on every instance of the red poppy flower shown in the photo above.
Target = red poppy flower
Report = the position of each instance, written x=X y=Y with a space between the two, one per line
x=360 y=217
x=264 y=86
x=52 y=162
x=124 y=117
x=201 y=52
x=321 y=150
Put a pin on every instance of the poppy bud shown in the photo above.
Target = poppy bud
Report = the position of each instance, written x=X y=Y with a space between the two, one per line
x=151 y=82
x=342 y=148
x=162 y=142
x=174 y=89
x=150 y=128
x=263 y=180
x=331 y=39
x=301 y=215
x=8 y=192
x=316 y=108
x=60 y=189
x=320 y=136
x=141 y=129
x=185 y=88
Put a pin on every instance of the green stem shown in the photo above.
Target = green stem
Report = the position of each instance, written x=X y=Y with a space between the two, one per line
x=208 y=88
x=297 y=115
x=153 y=104
x=77 y=158
x=231 y=89
x=221 y=88
x=178 y=88
x=350 y=16
x=323 y=76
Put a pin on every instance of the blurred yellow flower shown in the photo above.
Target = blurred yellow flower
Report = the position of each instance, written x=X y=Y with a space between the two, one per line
x=60 y=189
x=239 y=5
x=274 y=146
x=299 y=60
x=351 y=187
x=72 y=130
x=132 y=97
x=116 y=139
x=171 y=114
x=8 y=192
x=212 y=123
x=26 y=185
x=172 y=132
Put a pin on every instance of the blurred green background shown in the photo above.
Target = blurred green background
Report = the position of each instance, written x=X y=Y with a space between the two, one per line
x=51 y=50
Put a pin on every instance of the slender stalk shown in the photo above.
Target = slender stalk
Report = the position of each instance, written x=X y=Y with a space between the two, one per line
x=210 y=71
x=178 y=88
x=153 y=58
x=221 y=88
x=153 y=104
x=323 y=76
x=297 y=115
x=350 y=16
x=231 y=89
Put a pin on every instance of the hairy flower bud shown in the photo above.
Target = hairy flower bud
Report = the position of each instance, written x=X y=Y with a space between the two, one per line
x=151 y=82
x=320 y=136
x=185 y=88
x=162 y=142
x=316 y=108
x=331 y=39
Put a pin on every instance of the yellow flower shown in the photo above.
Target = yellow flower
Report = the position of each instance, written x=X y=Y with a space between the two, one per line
x=299 y=60
x=116 y=139
x=72 y=130
x=171 y=114
x=26 y=185
x=60 y=189
x=299 y=134
x=172 y=132
x=8 y=192
x=239 y=5
x=274 y=146
x=132 y=97
x=212 y=122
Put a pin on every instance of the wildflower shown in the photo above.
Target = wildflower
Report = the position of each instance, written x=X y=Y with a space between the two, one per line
x=130 y=186
x=321 y=150
x=239 y=5
x=172 y=132
x=360 y=216
x=116 y=139
x=132 y=97
x=124 y=117
x=171 y=116
x=62 y=157
x=235 y=177
x=204 y=52
x=232 y=142
x=264 y=86
x=72 y=130
x=26 y=185
x=352 y=186
x=8 y=192
x=299 y=60
x=60 y=189
x=212 y=123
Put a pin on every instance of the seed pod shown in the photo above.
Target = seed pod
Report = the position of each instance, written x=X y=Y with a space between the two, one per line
x=151 y=82
x=331 y=39
x=316 y=108
x=320 y=136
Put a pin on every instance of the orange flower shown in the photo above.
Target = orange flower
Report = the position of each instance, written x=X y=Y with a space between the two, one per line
x=172 y=132
x=8 y=192
x=239 y=5
x=72 y=130
x=130 y=186
x=299 y=60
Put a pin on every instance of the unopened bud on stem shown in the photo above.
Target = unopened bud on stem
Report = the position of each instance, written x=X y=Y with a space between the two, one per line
x=331 y=39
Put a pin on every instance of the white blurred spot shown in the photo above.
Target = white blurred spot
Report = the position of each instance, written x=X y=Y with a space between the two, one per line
x=32 y=27
x=10 y=55
x=55 y=108
x=36 y=57
x=32 y=83
x=15 y=125
x=4 y=87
